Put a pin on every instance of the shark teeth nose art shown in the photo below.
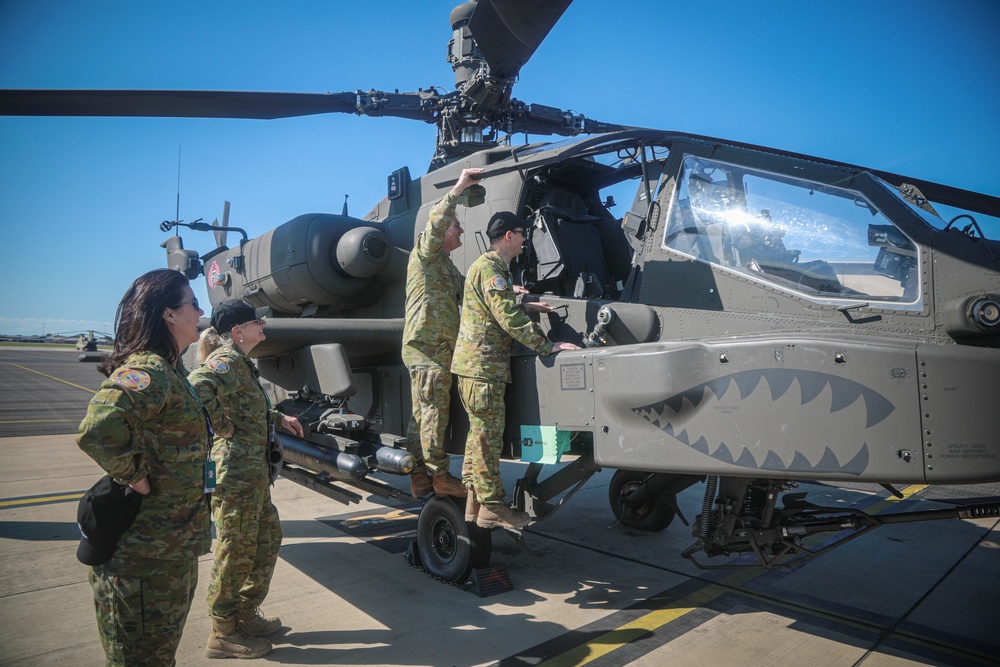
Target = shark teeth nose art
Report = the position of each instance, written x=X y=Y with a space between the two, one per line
x=707 y=418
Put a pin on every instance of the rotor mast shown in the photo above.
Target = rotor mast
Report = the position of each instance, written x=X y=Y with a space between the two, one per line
x=461 y=127
x=491 y=41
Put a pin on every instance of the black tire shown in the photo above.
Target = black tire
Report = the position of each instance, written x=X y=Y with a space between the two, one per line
x=650 y=515
x=449 y=547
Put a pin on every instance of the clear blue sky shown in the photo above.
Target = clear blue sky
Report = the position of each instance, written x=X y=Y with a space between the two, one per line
x=909 y=86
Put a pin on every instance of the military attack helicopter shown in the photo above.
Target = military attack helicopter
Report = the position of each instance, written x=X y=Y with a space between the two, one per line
x=755 y=317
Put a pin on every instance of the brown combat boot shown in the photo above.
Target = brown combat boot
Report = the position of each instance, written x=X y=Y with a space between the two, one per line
x=501 y=516
x=420 y=484
x=228 y=640
x=257 y=624
x=472 y=505
x=447 y=484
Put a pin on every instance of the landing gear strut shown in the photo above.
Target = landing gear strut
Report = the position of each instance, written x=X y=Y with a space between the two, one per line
x=744 y=518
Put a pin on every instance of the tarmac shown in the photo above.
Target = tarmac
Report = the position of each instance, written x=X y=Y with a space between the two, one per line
x=585 y=590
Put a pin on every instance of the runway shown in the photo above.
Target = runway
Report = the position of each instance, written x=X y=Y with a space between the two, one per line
x=44 y=391
x=586 y=591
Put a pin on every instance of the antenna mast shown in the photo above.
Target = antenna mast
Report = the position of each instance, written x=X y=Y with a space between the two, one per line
x=177 y=211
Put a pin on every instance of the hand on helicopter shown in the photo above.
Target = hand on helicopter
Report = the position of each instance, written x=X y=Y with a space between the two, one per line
x=292 y=425
x=536 y=307
x=468 y=177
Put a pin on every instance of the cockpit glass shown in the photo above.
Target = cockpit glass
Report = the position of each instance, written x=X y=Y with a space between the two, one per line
x=814 y=239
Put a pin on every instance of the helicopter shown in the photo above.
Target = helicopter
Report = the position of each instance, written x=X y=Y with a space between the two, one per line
x=755 y=318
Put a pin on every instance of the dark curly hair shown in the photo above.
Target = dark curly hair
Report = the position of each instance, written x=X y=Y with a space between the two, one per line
x=139 y=323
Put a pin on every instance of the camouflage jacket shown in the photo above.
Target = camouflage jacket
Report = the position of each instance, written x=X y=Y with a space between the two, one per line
x=145 y=421
x=433 y=293
x=227 y=384
x=491 y=321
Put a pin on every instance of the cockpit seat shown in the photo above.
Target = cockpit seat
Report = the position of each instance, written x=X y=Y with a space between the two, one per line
x=568 y=249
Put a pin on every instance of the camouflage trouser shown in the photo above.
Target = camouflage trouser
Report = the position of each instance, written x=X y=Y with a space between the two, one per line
x=483 y=400
x=430 y=393
x=141 y=608
x=248 y=537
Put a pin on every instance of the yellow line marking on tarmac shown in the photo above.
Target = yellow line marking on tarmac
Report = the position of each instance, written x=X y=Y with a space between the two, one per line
x=615 y=639
x=886 y=503
x=910 y=490
x=44 y=499
x=51 y=377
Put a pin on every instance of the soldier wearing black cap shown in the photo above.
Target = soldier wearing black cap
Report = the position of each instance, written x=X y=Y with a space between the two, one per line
x=247 y=527
x=491 y=321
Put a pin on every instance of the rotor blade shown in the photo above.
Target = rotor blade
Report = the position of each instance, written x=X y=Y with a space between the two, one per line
x=173 y=103
x=509 y=31
x=220 y=235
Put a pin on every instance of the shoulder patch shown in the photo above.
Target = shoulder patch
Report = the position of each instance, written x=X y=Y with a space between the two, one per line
x=220 y=366
x=132 y=379
x=498 y=283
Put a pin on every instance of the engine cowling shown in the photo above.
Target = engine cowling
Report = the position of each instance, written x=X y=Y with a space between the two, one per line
x=323 y=260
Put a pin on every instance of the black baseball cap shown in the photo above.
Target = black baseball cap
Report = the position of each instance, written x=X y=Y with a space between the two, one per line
x=233 y=312
x=501 y=223
x=105 y=512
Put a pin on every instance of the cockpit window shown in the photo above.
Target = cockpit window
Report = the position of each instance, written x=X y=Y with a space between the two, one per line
x=818 y=240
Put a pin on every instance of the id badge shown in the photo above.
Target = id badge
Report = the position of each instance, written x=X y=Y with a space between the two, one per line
x=209 y=476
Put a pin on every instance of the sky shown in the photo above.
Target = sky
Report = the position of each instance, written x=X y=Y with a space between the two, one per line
x=910 y=86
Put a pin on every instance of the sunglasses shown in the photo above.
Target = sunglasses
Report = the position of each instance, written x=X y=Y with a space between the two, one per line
x=259 y=321
x=193 y=302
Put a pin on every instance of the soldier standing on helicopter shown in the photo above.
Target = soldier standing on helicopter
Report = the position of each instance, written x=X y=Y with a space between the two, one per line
x=433 y=295
x=491 y=321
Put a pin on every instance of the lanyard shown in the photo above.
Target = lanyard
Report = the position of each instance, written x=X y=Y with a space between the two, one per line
x=197 y=401
x=210 y=479
x=267 y=401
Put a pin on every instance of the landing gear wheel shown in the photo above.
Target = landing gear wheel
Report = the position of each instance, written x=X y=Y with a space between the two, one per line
x=651 y=514
x=450 y=547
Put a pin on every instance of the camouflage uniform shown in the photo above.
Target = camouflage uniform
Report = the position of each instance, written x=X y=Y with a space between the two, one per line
x=491 y=321
x=433 y=293
x=145 y=421
x=246 y=521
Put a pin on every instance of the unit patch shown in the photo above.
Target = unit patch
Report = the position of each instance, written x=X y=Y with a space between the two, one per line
x=498 y=283
x=132 y=379
x=220 y=366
